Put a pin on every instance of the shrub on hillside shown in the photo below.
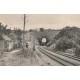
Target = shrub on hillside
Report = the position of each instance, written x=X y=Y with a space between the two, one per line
x=67 y=38
x=62 y=44
x=77 y=51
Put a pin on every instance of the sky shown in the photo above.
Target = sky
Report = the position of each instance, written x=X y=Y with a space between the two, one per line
x=47 y=21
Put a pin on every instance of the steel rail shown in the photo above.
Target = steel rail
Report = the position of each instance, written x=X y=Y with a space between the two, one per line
x=61 y=60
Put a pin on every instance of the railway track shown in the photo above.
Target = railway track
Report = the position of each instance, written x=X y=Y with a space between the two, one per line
x=69 y=56
x=61 y=59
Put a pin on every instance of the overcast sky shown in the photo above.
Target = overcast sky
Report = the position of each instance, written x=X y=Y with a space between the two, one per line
x=53 y=21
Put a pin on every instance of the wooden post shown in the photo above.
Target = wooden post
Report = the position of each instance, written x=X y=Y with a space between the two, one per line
x=24 y=32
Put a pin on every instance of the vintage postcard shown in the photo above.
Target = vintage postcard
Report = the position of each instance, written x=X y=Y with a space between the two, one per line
x=39 y=39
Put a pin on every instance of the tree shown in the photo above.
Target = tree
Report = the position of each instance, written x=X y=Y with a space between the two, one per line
x=30 y=30
x=18 y=32
x=41 y=29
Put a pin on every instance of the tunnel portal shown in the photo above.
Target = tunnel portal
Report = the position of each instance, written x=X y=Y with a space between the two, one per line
x=43 y=41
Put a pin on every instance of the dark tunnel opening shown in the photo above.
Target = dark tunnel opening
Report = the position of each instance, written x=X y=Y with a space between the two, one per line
x=43 y=41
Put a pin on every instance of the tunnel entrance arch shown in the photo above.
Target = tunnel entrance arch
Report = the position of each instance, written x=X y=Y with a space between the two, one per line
x=43 y=41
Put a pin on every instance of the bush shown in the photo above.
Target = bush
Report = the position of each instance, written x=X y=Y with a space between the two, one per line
x=77 y=52
x=63 y=44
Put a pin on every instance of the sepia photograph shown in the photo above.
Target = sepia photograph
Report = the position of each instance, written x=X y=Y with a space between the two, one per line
x=39 y=39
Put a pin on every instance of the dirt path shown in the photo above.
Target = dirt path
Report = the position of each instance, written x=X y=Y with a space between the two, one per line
x=14 y=58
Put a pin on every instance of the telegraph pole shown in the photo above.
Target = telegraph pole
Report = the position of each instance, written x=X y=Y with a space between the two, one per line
x=24 y=32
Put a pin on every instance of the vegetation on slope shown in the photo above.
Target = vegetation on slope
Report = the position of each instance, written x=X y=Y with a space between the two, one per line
x=68 y=38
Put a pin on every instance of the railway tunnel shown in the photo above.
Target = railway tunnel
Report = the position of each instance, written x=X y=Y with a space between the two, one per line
x=43 y=41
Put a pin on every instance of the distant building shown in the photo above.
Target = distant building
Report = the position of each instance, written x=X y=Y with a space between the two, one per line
x=6 y=44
